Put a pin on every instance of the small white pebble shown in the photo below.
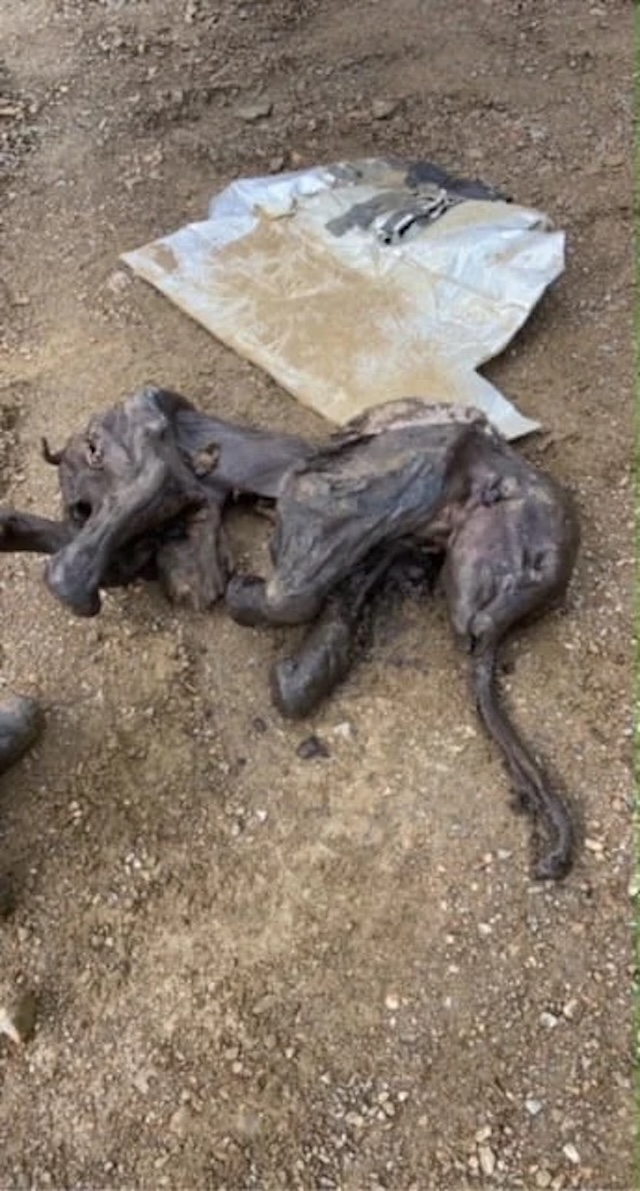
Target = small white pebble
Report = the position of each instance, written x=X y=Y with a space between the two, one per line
x=355 y=1120
x=485 y=929
x=345 y=730
x=571 y=1154
x=533 y=1106
x=569 y=1010
x=392 y=1001
x=594 y=845
x=548 y=1020
x=487 y=1159
x=483 y=1134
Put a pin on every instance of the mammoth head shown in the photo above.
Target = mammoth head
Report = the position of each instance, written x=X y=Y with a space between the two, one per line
x=120 y=478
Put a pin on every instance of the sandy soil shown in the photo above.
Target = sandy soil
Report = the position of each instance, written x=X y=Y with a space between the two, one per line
x=256 y=971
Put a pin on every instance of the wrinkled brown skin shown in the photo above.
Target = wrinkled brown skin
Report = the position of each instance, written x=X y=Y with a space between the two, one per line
x=143 y=490
x=510 y=536
x=386 y=476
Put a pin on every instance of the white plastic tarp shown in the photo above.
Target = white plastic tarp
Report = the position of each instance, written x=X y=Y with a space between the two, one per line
x=301 y=274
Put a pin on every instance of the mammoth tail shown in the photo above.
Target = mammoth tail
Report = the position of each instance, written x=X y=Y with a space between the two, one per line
x=530 y=782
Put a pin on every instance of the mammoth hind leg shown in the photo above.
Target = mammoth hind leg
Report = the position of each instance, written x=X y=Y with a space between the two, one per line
x=301 y=680
x=490 y=592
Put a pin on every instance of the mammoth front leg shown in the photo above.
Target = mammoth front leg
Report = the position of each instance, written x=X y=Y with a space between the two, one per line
x=295 y=593
x=194 y=569
x=253 y=602
x=27 y=533
x=301 y=680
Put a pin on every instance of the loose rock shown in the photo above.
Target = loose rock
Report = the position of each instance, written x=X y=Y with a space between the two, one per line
x=261 y=109
x=179 y=1120
x=384 y=109
x=487 y=1159
x=311 y=748
x=118 y=281
x=344 y=730
x=18 y=1019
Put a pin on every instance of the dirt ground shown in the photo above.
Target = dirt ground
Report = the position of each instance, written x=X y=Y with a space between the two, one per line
x=254 y=970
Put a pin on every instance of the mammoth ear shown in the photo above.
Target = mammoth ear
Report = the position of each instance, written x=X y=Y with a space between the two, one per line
x=49 y=456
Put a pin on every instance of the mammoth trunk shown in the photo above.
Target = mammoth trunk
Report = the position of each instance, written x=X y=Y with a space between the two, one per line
x=76 y=573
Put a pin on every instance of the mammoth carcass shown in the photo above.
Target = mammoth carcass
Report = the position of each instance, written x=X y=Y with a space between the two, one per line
x=144 y=489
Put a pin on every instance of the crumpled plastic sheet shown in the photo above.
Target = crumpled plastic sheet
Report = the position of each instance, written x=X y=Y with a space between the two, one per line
x=358 y=283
